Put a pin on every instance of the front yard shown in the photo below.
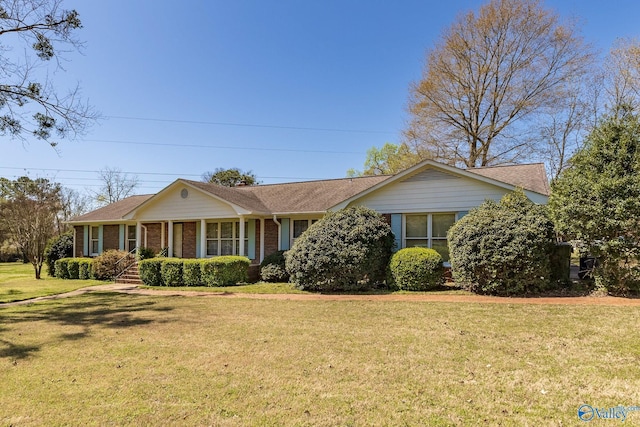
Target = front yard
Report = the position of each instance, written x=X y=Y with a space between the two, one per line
x=113 y=359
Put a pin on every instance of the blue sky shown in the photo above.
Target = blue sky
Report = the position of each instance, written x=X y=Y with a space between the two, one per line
x=289 y=89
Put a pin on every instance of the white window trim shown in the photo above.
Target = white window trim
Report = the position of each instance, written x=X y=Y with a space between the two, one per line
x=91 y=240
x=310 y=221
x=235 y=239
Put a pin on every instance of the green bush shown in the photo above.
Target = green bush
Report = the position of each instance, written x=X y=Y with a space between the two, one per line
x=107 y=265
x=58 y=247
x=146 y=253
x=171 y=271
x=84 y=268
x=346 y=250
x=503 y=248
x=61 y=268
x=416 y=269
x=150 y=273
x=192 y=272
x=273 y=268
x=225 y=270
x=73 y=268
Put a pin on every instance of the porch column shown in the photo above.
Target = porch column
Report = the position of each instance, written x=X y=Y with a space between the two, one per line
x=74 y=241
x=170 y=246
x=241 y=249
x=138 y=236
x=203 y=238
x=261 y=239
x=162 y=237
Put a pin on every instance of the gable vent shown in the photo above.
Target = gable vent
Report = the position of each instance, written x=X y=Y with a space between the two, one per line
x=430 y=175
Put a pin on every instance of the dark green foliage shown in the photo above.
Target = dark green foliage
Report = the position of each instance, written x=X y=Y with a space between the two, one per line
x=561 y=264
x=84 y=268
x=416 y=269
x=503 y=248
x=145 y=253
x=61 y=267
x=346 y=250
x=171 y=271
x=109 y=264
x=225 y=270
x=597 y=201
x=58 y=247
x=273 y=268
x=192 y=272
x=150 y=271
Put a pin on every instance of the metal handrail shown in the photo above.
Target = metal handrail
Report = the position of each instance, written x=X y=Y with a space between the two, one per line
x=130 y=256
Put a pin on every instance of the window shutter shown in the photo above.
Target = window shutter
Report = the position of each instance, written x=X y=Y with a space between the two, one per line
x=396 y=228
x=251 y=252
x=100 y=239
x=284 y=234
x=122 y=230
x=85 y=237
x=461 y=214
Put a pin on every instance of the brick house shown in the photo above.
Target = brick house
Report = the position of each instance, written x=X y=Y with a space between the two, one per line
x=195 y=220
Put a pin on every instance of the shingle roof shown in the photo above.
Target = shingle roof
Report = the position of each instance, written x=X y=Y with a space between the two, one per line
x=531 y=177
x=310 y=196
x=113 y=211
x=315 y=196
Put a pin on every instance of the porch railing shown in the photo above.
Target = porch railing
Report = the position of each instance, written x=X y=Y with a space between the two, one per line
x=124 y=263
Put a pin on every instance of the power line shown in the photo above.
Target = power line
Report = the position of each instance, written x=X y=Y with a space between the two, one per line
x=221 y=147
x=253 y=125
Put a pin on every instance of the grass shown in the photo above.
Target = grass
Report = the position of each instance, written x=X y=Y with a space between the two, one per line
x=17 y=283
x=107 y=359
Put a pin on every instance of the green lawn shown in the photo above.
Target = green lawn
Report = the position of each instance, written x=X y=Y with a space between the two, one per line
x=17 y=282
x=112 y=359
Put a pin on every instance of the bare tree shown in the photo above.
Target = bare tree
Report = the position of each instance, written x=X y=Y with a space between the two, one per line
x=488 y=77
x=29 y=210
x=622 y=75
x=72 y=203
x=29 y=101
x=116 y=185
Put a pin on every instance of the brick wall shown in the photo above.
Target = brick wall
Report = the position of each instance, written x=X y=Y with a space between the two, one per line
x=110 y=237
x=80 y=241
x=154 y=236
x=188 y=240
x=270 y=237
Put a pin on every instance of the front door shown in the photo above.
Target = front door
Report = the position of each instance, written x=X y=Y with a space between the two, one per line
x=177 y=240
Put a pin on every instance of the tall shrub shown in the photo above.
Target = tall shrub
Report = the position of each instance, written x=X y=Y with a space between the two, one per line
x=503 y=248
x=346 y=250
x=58 y=247
x=416 y=269
x=273 y=268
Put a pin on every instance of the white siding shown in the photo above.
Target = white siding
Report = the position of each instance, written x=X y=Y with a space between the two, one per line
x=431 y=191
x=172 y=206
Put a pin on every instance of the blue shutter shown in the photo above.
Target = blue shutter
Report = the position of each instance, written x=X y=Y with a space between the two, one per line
x=251 y=251
x=461 y=214
x=100 y=239
x=396 y=228
x=123 y=230
x=284 y=234
x=86 y=240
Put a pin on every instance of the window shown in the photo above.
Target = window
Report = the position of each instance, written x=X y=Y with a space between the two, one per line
x=300 y=226
x=93 y=240
x=131 y=237
x=429 y=231
x=223 y=238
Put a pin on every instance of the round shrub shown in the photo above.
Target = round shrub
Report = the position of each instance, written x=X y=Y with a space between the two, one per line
x=58 y=247
x=273 y=268
x=192 y=272
x=346 y=250
x=149 y=270
x=416 y=269
x=171 y=271
x=73 y=267
x=145 y=253
x=108 y=264
x=503 y=248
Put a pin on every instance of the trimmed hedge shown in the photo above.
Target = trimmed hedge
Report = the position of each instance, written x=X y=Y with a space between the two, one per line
x=150 y=273
x=171 y=271
x=73 y=268
x=225 y=270
x=84 y=268
x=273 y=269
x=192 y=272
x=416 y=269
x=61 y=268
